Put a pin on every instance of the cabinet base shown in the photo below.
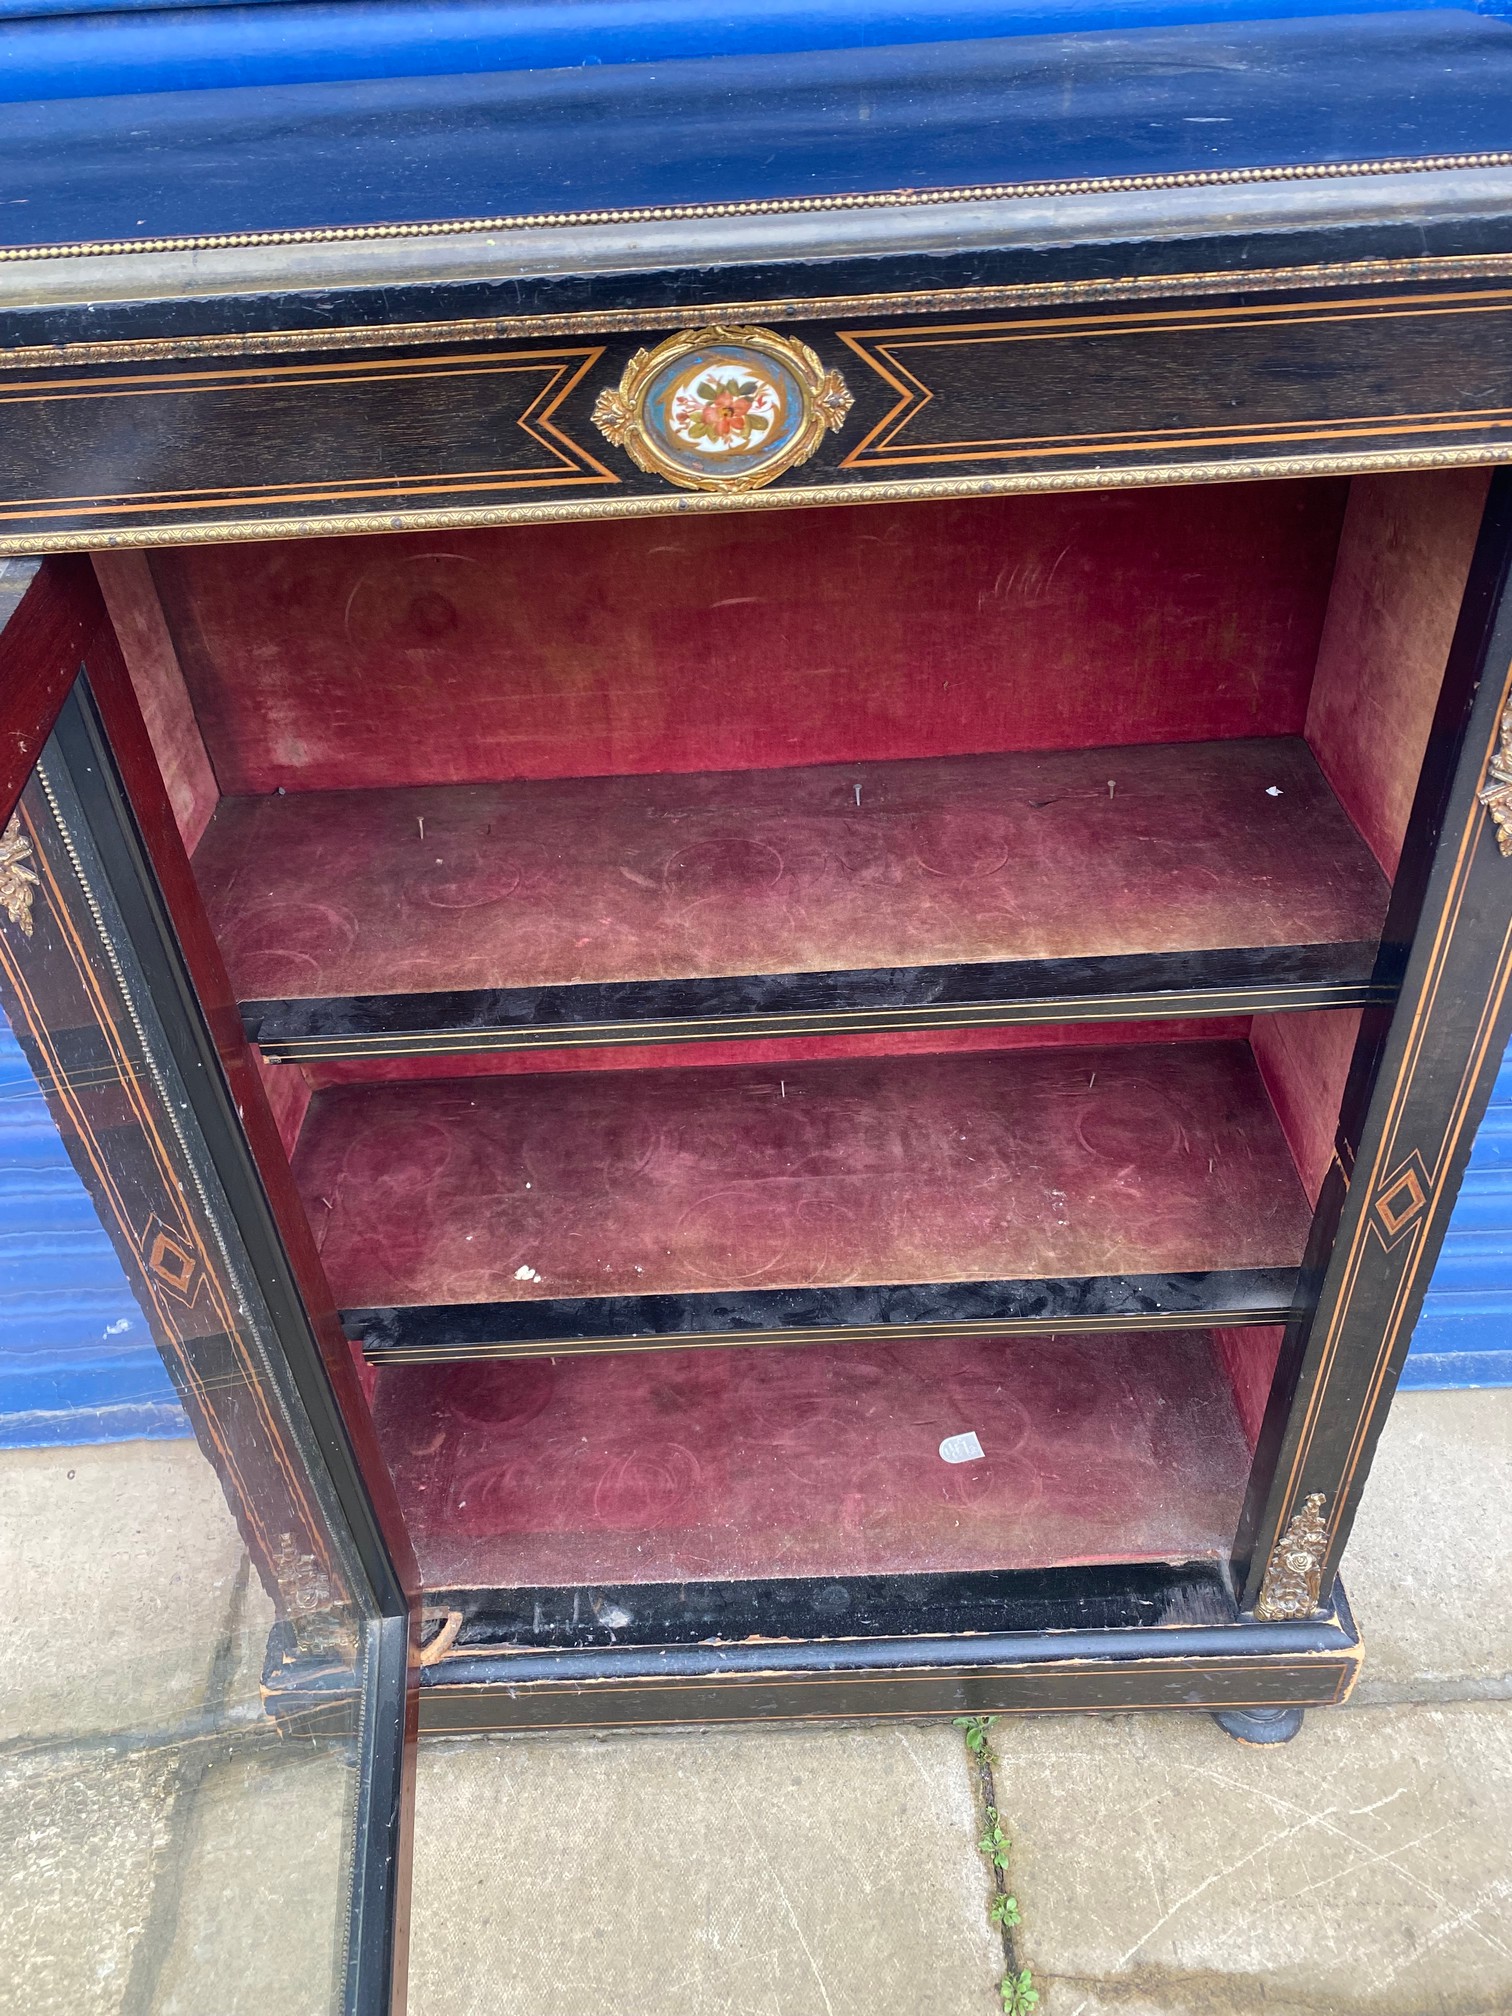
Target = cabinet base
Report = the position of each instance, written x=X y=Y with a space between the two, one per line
x=479 y=1677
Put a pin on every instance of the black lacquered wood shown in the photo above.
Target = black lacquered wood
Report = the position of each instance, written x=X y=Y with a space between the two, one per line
x=1036 y=1660
x=1325 y=382
x=434 y=1333
x=1234 y=981
x=1097 y=1598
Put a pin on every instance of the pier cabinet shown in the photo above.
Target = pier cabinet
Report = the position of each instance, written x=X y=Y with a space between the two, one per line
x=840 y=831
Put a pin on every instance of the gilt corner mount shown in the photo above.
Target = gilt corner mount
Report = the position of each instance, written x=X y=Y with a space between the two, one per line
x=1496 y=794
x=18 y=880
x=1294 y=1573
x=723 y=408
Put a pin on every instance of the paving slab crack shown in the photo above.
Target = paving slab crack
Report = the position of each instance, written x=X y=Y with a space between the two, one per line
x=153 y=1948
x=1016 y=1993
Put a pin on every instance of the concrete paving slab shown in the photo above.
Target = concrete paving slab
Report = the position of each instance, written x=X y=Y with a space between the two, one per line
x=257 y=1910
x=1364 y=1869
x=736 y=1872
x=127 y=1554
x=82 y=1836
x=1428 y=1568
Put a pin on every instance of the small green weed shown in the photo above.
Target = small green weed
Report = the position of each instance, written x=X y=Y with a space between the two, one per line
x=975 y=1729
x=1016 y=1989
x=995 y=1844
x=1019 y=1993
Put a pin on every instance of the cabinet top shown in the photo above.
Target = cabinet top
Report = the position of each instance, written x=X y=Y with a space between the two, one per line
x=682 y=161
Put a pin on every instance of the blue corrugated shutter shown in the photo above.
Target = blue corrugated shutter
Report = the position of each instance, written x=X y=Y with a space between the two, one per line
x=77 y=1361
x=1464 y=1336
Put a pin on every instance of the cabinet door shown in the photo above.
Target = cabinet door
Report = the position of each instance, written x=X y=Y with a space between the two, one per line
x=182 y=1504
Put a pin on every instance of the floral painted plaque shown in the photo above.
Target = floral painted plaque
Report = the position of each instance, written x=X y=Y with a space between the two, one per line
x=723 y=409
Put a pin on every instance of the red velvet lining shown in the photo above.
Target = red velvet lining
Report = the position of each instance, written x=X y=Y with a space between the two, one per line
x=1403 y=561
x=756 y=639
x=1040 y=1163
x=137 y=619
x=288 y=1097
x=754 y=642
x=1248 y=1355
x=769 y=1050
x=1074 y=854
x=1304 y=1058
x=693 y=1465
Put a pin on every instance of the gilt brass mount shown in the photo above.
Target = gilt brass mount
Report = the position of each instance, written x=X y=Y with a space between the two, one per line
x=1496 y=793
x=723 y=408
x=1295 y=1569
x=18 y=881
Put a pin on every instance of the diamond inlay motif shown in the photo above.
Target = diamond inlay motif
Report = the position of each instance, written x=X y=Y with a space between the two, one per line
x=1402 y=1199
x=169 y=1261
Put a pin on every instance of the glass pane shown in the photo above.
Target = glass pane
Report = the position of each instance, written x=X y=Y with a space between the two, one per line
x=166 y=1539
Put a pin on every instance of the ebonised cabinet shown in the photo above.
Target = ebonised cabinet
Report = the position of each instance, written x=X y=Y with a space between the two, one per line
x=853 y=889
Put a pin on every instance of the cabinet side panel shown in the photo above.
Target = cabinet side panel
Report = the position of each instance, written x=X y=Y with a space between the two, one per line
x=1417 y=1088
x=1248 y=1355
x=131 y=597
x=1400 y=578
x=288 y=1092
x=1304 y=1059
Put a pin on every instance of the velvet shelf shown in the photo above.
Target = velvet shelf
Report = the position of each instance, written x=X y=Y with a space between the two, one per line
x=740 y=1464
x=923 y=1195
x=1210 y=877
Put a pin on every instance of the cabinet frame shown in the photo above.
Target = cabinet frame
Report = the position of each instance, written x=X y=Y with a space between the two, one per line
x=265 y=386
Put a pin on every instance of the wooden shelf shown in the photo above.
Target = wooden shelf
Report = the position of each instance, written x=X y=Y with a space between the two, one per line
x=492 y=1216
x=746 y=1464
x=1203 y=878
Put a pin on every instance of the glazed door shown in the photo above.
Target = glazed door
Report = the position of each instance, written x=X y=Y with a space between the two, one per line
x=183 y=1509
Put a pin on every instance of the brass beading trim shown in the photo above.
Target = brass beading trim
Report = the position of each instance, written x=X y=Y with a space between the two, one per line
x=819 y=308
x=783 y=206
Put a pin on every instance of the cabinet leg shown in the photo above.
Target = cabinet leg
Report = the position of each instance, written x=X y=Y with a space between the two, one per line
x=1259 y=1725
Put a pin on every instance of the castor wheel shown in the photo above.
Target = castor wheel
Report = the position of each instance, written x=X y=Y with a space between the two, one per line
x=1259 y=1725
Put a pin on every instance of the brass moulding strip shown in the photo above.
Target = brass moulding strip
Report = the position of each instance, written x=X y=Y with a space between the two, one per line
x=94 y=538
x=626 y=1035
x=1331 y=275
x=782 y=206
x=861 y=1333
